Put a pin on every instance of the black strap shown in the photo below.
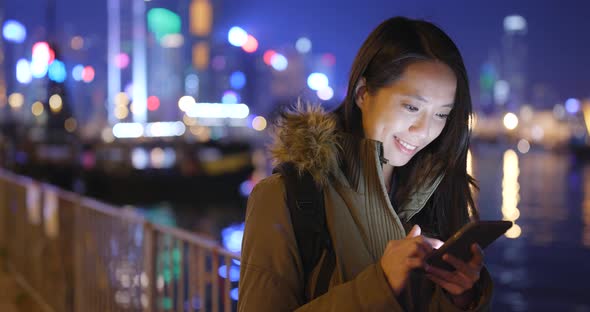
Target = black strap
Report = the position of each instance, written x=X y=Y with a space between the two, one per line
x=305 y=201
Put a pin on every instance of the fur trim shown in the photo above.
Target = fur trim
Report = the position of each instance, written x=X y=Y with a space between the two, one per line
x=306 y=136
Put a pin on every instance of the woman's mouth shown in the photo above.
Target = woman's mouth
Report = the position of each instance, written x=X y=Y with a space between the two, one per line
x=405 y=146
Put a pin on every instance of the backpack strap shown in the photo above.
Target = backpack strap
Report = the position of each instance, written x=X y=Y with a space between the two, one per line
x=305 y=201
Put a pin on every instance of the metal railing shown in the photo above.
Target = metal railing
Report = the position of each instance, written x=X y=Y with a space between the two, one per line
x=78 y=254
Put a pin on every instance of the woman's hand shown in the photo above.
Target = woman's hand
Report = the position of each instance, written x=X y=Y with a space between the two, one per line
x=459 y=282
x=402 y=256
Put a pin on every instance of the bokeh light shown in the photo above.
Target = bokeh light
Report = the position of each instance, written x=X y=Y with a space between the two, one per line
x=523 y=146
x=572 y=106
x=121 y=99
x=326 y=94
x=77 y=43
x=23 y=71
x=279 y=62
x=191 y=84
x=88 y=74
x=37 y=109
x=55 y=103
x=259 y=123
x=231 y=237
x=510 y=121
x=70 y=124
x=121 y=112
x=153 y=103
x=57 y=71
x=139 y=158
x=303 y=45
x=501 y=92
x=14 y=31
x=41 y=58
x=328 y=60
x=77 y=72
x=267 y=57
x=237 y=80
x=237 y=36
x=157 y=157
x=251 y=44
x=185 y=102
x=122 y=60
x=163 y=22
x=317 y=81
x=515 y=23
x=16 y=100
x=218 y=62
x=230 y=97
x=172 y=41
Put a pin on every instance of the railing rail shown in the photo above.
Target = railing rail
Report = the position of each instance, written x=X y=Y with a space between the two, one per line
x=79 y=254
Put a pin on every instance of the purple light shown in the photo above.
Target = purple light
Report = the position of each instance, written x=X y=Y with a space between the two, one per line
x=572 y=106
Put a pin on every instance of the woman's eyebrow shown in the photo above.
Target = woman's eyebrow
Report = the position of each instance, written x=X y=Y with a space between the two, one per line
x=420 y=98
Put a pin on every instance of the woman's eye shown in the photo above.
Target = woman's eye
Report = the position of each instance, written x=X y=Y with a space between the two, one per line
x=411 y=108
x=443 y=116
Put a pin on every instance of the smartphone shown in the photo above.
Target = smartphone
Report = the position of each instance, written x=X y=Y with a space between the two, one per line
x=482 y=233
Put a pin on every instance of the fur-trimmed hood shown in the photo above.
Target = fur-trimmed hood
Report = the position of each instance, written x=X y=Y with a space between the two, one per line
x=307 y=136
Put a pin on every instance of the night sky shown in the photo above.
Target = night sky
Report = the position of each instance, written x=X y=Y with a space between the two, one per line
x=558 y=39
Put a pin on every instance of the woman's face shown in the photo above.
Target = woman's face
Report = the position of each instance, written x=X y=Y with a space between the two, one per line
x=411 y=112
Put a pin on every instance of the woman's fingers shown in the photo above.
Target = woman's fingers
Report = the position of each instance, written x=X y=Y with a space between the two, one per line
x=414 y=262
x=465 y=275
x=469 y=270
x=450 y=287
x=477 y=255
x=433 y=242
x=458 y=278
x=457 y=263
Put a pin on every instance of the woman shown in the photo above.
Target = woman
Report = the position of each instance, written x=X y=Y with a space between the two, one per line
x=391 y=164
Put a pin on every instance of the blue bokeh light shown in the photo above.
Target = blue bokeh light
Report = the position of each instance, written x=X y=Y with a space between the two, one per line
x=57 y=71
x=14 y=31
x=231 y=237
x=237 y=80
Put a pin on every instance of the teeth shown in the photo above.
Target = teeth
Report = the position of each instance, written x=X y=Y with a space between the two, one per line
x=406 y=145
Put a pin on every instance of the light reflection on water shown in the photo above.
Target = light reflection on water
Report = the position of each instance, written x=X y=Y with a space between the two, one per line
x=510 y=192
x=548 y=195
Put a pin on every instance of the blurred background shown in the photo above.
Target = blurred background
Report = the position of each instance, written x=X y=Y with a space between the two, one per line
x=162 y=108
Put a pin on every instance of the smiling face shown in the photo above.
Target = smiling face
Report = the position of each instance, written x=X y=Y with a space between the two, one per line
x=411 y=112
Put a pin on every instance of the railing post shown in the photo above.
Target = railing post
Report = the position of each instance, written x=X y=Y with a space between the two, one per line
x=148 y=299
x=79 y=287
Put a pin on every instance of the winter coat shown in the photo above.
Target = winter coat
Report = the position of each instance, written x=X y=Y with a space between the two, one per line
x=360 y=220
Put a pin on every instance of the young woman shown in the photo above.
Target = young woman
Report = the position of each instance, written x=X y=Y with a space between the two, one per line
x=391 y=165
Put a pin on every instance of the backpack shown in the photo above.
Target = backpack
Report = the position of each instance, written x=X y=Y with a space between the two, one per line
x=305 y=202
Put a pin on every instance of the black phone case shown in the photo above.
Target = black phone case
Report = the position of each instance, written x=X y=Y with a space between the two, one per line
x=459 y=245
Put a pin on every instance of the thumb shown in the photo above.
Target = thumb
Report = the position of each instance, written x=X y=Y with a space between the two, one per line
x=415 y=231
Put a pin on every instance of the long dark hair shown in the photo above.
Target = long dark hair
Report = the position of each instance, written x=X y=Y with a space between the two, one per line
x=382 y=59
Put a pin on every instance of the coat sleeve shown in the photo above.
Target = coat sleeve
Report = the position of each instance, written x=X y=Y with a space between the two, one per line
x=271 y=277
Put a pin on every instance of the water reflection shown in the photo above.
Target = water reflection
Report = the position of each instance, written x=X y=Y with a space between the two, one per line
x=548 y=194
x=586 y=208
x=510 y=192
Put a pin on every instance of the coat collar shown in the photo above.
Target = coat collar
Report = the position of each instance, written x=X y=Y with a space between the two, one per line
x=359 y=154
